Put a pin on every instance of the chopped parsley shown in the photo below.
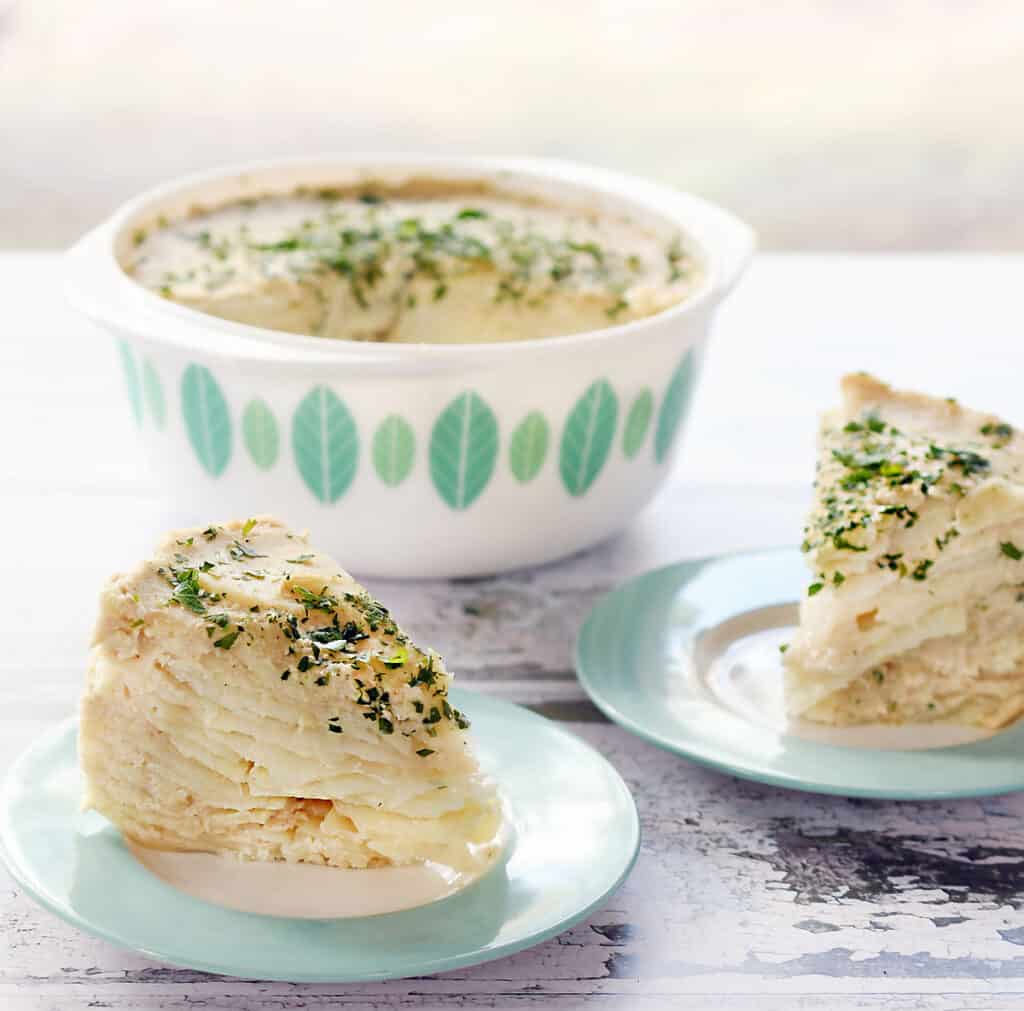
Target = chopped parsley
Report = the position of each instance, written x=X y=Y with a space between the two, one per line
x=321 y=601
x=920 y=572
x=238 y=551
x=227 y=641
x=186 y=591
x=1001 y=430
x=1011 y=550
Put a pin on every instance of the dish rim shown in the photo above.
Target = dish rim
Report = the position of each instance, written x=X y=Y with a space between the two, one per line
x=788 y=781
x=97 y=285
x=475 y=956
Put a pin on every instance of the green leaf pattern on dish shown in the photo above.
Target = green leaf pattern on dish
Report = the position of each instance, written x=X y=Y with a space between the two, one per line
x=394 y=447
x=259 y=429
x=637 y=421
x=154 y=392
x=675 y=404
x=207 y=419
x=463 y=450
x=587 y=437
x=131 y=378
x=528 y=447
x=325 y=443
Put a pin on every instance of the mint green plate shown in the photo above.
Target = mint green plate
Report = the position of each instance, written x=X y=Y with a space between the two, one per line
x=687 y=657
x=576 y=837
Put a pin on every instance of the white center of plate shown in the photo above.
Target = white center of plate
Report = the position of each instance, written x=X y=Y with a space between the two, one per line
x=311 y=891
x=738 y=663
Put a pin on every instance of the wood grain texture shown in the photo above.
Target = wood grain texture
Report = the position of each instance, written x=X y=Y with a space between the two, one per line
x=744 y=895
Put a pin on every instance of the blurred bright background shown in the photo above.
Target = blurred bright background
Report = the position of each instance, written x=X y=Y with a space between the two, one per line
x=836 y=124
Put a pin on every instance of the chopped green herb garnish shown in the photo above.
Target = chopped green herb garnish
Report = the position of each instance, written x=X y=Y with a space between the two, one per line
x=921 y=570
x=247 y=527
x=1011 y=550
x=321 y=601
x=424 y=752
x=238 y=551
x=814 y=588
x=227 y=641
x=621 y=305
x=186 y=591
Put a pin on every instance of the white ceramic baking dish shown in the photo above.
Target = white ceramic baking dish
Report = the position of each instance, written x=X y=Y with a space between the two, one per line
x=411 y=460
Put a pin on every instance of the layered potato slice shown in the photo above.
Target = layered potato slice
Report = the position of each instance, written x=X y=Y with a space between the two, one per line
x=915 y=607
x=246 y=696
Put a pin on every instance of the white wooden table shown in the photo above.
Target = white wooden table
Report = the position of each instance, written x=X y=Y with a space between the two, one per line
x=744 y=896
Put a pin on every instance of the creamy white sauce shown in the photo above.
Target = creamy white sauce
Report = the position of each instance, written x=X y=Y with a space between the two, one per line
x=437 y=267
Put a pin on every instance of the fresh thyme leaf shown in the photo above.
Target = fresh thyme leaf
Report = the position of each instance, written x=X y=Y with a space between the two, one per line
x=1011 y=550
x=814 y=588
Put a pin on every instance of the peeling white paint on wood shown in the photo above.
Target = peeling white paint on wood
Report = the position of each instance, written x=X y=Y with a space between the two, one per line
x=744 y=896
